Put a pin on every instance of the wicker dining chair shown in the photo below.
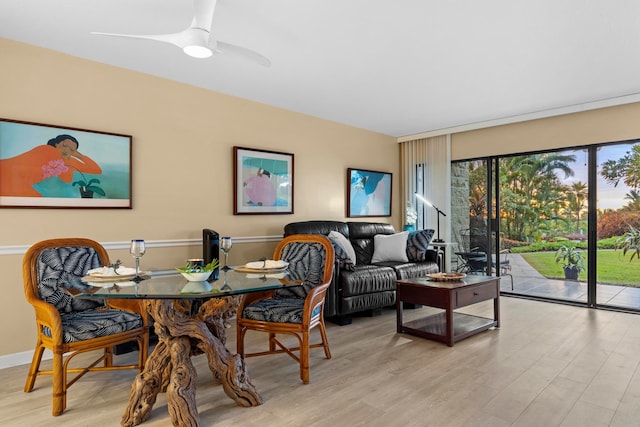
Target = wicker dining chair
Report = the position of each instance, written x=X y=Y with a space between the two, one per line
x=51 y=270
x=292 y=311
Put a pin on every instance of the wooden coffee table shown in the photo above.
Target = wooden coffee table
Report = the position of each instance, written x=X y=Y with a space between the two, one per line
x=448 y=326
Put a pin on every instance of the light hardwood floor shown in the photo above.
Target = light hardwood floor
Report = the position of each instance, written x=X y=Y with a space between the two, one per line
x=548 y=365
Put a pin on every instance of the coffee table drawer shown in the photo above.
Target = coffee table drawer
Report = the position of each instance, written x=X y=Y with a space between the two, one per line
x=475 y=294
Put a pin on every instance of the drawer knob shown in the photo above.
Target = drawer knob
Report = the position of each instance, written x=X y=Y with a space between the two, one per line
x=475 y=294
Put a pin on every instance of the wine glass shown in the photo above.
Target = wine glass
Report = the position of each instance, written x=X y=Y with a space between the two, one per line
x=225 y=246
x=137 y=249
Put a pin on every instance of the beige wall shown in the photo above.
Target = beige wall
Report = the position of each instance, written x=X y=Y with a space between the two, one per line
x=589 y=127
x=182 y=165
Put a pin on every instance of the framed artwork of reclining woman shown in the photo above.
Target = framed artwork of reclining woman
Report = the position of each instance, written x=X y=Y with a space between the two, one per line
x=47 y=166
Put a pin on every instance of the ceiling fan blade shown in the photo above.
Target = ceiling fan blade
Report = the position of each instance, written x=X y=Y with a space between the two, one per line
x=168 y=38
x=203 y=14
x=188 y=37
x=243 y=52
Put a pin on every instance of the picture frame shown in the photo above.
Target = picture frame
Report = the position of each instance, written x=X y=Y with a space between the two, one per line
x=263 y=182
x=49 y=166
x=369 y=193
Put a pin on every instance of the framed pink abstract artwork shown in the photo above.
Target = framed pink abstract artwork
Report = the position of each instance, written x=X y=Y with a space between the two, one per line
x=263 y=182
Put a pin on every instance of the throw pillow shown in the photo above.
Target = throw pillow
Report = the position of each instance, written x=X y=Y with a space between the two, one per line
x=390 y=247
x=418 y=243
x=344 y=243
x=340 y=254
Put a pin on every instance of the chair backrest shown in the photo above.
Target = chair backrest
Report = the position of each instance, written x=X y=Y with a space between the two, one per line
x=473 y=240
x=310 y=258
x=51 y=267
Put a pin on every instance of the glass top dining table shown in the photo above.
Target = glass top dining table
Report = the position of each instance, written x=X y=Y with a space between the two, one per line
x=177 y=287
x=185 y=331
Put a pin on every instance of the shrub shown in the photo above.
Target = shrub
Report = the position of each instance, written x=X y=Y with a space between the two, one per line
x=616 y=223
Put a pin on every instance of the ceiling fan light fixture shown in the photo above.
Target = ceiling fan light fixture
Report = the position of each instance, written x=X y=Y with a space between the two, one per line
x=197 y=51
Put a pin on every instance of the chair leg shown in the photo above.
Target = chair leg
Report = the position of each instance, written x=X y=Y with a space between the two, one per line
x=34 y=368
x=304 y=358
x=240 y=340
x=272 y=342
x=108 y=357
x=58 y=385
x=325 y=341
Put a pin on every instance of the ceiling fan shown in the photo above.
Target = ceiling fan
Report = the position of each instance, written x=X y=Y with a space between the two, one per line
x=196 y=41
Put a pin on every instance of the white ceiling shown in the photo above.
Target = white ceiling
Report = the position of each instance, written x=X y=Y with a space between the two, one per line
x=398 y=67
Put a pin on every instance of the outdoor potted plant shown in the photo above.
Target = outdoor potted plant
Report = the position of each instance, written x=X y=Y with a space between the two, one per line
x=572 y=262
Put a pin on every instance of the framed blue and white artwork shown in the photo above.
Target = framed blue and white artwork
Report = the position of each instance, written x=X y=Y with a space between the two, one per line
x=368 y=193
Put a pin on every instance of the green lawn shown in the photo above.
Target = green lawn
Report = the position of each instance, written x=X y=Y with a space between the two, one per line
x=613 y=268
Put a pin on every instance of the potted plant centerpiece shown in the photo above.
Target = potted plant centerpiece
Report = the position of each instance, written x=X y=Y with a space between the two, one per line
x=572 y=262
x=197 y=272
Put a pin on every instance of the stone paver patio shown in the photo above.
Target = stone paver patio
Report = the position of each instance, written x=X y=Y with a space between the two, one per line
x=527 y=281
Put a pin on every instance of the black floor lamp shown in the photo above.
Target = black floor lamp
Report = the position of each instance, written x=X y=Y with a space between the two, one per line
x=427 y=202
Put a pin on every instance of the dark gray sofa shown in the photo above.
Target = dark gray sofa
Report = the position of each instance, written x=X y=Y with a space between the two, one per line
x=364 y=287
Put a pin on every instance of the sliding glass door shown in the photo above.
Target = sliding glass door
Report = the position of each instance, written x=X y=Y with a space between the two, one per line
x=618 y=213
x=560 y=225
x=544 y=223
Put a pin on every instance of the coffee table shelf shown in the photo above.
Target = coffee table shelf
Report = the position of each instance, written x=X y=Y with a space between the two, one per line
x=435 y=326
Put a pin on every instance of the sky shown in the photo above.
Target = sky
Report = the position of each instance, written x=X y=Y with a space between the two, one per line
x=609 y=197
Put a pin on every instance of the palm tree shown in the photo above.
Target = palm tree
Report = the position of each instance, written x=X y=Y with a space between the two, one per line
x=531 y=191
x=625 y=169
x=577 y=198
x=634 y=201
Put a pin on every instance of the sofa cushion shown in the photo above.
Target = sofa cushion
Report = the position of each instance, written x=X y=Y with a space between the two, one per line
x=391 y=247
x=370 y=301
x=343 y=249
x=411 y=270
x=367 y=279
x=418 y=243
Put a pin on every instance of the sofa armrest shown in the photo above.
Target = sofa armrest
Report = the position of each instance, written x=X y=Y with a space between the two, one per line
x=431 y=255
x=332 y=297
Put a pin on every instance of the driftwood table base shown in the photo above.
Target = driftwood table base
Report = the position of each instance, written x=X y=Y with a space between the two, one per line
x=169 y=367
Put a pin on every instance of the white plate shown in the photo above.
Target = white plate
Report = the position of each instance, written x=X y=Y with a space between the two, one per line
x=281 y=275
x=119 y=278
x=243 y=269
x=112 y=283
x=108 y=271
x=267 y=265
